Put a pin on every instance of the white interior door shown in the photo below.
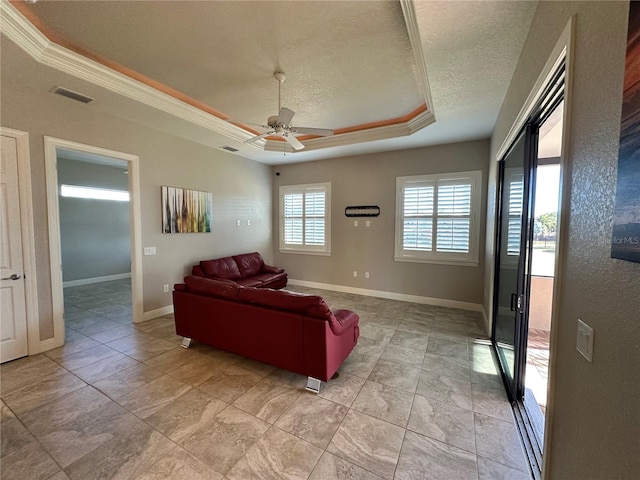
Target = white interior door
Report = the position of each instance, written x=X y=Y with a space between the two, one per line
x=13 y=317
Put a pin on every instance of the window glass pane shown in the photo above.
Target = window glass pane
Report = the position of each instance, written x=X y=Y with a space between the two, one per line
x=293 y=205
x=453 y=235
x=516 y=186
x=417 y=234
x=513 y=236
x=293 y=231
x=314 y=231
x=418 y=200
x=94 y=193
x=454 y=199
x=314 y=204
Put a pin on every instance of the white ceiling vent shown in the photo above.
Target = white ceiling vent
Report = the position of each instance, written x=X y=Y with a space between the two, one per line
x=73 y=95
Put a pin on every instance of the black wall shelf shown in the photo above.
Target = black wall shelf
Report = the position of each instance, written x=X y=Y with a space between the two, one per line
x=362 y=211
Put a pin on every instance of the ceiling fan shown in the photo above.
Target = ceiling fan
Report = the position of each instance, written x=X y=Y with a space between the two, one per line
x=280 y=125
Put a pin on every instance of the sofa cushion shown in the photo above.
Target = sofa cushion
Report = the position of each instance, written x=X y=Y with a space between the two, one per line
x=197 y=271
x=310 y=305
x=221 y=268
x=210 y=287
x=269 y=277
x=249 y=264
x=249 y=282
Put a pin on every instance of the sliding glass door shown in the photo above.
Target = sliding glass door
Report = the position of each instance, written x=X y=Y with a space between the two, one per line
x=516 y=172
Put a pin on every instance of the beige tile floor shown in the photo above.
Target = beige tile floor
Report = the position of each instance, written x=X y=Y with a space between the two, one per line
x=419 y=398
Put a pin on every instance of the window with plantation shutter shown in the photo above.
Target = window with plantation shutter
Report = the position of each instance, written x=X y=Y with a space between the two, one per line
x=304 y=218
x=437 y=218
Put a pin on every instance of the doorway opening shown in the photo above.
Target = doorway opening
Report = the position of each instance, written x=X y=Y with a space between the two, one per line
x=94 y=238
x=95 y=241
x=543 y=264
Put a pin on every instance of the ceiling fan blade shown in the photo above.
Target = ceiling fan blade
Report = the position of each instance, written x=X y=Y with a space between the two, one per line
x=294 y=142
x=285 y=116
x=249 y=124
x=322 y=132
x=259 y=137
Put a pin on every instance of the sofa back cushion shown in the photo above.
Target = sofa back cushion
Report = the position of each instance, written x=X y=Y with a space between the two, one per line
x=197 y=271
x=221 y=268
x=249 y=264
x=210 y=287
x=311 y=305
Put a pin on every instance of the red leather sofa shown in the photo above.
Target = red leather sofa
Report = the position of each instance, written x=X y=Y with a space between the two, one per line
x=248 y=270
x=293 y=331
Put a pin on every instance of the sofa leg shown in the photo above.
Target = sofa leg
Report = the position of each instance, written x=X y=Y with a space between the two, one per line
x=313 y=384
x=186 y=342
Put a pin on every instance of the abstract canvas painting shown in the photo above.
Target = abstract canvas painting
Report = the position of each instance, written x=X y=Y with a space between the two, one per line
x=625 y=242
x=185 y=211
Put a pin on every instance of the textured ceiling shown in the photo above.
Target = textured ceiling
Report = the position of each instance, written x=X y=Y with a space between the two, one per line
x=348 y=63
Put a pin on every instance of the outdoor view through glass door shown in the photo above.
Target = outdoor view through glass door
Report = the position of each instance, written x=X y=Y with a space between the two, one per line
x=543 y=262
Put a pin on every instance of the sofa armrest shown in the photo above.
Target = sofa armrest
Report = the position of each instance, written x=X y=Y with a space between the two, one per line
x=342 y=320
x=269 y=269
x=180 y=287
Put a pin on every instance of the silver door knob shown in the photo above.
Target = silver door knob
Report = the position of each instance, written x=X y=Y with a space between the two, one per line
x=15 y=276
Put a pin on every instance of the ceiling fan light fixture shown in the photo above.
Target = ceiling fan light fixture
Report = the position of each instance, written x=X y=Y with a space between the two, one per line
x=280 y=125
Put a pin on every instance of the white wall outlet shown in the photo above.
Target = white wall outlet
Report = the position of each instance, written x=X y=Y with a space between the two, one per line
x=166 y=288
x=355 y=273
x=355 y=223
x=237 y=223
x=367 y=223
x=149 y=250
x=584 y=340
x=248 y=223
x=366 y=274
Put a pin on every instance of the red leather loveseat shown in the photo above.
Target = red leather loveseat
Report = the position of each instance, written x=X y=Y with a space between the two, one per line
x=293 y=331
x=248 y=270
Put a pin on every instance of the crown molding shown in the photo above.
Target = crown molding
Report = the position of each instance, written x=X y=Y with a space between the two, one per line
x=22 y=32
x=413 y=31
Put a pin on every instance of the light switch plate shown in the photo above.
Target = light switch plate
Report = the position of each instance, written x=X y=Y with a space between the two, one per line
x=149 y=250
x=584 y=340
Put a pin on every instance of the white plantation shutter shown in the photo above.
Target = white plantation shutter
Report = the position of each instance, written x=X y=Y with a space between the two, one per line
x=304 y=218
x=516 y=191
x=293 y=218
x=454 y=211
x=436 y=217
x=418 y=221
x=314 y=218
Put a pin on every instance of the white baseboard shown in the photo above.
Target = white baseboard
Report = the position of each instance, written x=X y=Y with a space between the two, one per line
x=159 y=312
x=439 y=302
x=89 y=281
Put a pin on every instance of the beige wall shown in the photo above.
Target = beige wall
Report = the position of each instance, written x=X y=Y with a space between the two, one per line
x=371 y=180
x=241 y=189
x=595 y=407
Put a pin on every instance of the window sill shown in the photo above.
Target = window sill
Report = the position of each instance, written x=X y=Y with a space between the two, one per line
x=461 y=263
x=305 y=252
